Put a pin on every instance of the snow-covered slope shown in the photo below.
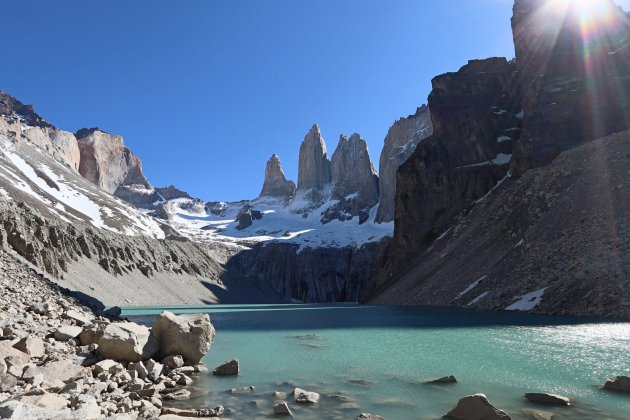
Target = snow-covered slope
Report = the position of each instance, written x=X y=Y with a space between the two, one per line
x=29 y=174
x=298 y=222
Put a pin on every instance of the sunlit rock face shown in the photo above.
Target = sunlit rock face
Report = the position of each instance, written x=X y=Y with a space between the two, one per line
x=314 y=171
x=108 y=163
x=400 y=143
x=573 y=62
x=276 y=184
x=353 y=173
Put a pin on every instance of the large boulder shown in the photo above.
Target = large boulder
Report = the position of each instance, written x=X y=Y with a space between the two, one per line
x=189 y=335
x=476 y=407
x=33 y=346
x=550 y=399
x=229 y=368
x=305 y=397
x=62 y=370
x=276 y=184
x=128 y=342
x=618 y=383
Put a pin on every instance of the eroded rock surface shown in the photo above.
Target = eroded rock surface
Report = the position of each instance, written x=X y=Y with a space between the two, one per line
x=314 y=169
x=276 y=184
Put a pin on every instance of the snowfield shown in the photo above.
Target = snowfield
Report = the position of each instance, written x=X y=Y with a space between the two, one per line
x=297 y=223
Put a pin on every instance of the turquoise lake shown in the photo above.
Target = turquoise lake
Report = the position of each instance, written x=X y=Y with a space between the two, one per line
x=377 y=359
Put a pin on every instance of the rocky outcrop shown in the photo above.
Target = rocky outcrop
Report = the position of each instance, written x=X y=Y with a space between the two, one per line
x=229 y=368
x=314 y=169
x=276 y=184
x=16 y=110
x=246 y=217
x=312 y=274
x=171 y=192
x=618 y=383
x=476 y=407
x=472 y=111
x=108 y=163
x=353 y=172
x=189 y=335
x=400 y=143
x=574 y=84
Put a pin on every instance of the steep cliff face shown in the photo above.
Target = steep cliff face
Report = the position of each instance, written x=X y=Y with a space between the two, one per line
x=568 y=85
x=574 y=75
x=108 y=163
x=314 y=171
x=400 y=143
x=310 y=275
x=24 y=122
x=475 y=120
x=353 y=172
x=276 y=184
x=552 y=241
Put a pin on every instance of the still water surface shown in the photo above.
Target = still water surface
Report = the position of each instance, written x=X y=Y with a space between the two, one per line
x=376 y=359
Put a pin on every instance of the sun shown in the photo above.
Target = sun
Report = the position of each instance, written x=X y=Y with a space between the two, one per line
x=588 y=11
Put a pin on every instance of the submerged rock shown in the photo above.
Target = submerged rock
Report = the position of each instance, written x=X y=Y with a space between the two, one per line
x=618 y=383
x=544 y=398
x=229 y=368
x=188 y=335
x=445 y=380
x=305 y=397
x=476 y=407
x=367 y=416
x=282 y=409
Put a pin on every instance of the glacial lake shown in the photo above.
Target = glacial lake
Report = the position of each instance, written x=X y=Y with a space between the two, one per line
x=376 y=359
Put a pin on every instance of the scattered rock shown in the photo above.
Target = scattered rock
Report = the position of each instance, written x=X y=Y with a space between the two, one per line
x=618 y=383
x=305 y=397
x=243 y=390
x=7 y=382
x=173 y=361
x=46 y=400
x=366 y=416
x=178 y=395
x=544 y=398
x=33 y=346
x=67 y=332
x=444 y=380
x=127 y=341
x=189 y=335
x=282 y=409
x=62 y=370
x=229 y=368
x=476 y=407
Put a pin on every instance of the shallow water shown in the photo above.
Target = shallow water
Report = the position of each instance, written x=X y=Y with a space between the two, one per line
x=376 y=359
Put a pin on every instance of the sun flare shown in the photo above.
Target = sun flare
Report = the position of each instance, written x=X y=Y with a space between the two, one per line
x=587 y=10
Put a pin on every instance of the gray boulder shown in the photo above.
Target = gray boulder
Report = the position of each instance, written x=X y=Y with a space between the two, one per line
x=618 y=383
x=550 y=399
x=128 y=342
x=229 y=368
x=305 y=397
x=188 y=335
x=67 y=332
x=33 y=346
x=282 y=409
x=476 y=407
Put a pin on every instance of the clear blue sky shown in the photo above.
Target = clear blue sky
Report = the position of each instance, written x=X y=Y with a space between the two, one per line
x=205 y=91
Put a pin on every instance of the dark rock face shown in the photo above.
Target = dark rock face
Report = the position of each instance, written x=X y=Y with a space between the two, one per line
x=400 y=143
x=312 y=275
x=575 y=84
x=276 y=184
x=171 y=192
x=473 y=111
x=314 y=169
x=11 y=107
x=246 y=217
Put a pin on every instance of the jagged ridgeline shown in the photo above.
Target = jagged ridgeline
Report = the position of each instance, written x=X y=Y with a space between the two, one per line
x=79 y=206
x=495 y=195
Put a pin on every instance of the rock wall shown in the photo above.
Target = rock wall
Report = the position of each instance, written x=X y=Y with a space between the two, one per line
x=311 y=275
x=353 y=172
x=553 y=241
x=400 y=143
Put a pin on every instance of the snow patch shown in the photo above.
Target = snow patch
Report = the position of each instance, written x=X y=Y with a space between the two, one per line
x=503 y=138
x=469 y=288
x=477 y=299
x=528 y=301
